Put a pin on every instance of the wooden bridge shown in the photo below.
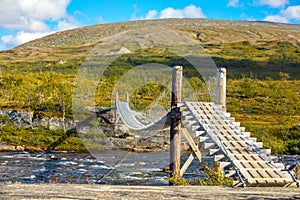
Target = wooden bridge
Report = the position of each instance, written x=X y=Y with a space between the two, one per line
x=212 y=133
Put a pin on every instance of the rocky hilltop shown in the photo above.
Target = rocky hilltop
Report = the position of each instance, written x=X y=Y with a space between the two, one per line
x=77 y=42
x=208 y=31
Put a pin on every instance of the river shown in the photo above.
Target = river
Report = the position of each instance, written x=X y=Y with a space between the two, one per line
x=111 y=167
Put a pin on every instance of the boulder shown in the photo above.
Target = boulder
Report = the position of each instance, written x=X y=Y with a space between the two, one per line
x=20 y=148
x=43 y=122
x=19 y=118
x=4 y=147
x=58 y=124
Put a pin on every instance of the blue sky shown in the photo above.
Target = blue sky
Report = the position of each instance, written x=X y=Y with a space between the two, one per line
x=25 y=20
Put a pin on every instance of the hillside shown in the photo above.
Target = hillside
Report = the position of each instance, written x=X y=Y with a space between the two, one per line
x=262 y=58
x=258 y=43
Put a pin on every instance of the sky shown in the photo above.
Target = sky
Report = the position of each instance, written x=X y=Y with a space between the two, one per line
x=25 y=20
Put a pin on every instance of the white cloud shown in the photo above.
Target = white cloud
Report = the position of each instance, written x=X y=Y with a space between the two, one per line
x=30 y=25
x=29 y=15
x=28 y=19
x=273 y=3
x=276 y=18
x=292 y=12
x=233 y=3
x=44 y=9
x=151 y=14
x=190 y=11
x=21 y=37
x=36 y=26
x=171 y=13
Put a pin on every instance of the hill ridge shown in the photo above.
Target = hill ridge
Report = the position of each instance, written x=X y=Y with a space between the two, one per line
x=166 y=23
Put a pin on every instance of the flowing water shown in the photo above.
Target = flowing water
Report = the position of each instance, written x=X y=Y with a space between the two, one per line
x=110 y=167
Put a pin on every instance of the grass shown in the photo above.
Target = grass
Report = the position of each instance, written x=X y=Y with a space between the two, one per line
x=269 y=109
x=41 y=138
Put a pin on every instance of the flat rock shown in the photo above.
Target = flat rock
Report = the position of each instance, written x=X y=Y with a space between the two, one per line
x=4 y=147
x=19 y=148
x=112 y=192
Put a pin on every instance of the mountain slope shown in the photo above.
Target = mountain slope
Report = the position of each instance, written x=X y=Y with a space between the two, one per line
x=77 y=42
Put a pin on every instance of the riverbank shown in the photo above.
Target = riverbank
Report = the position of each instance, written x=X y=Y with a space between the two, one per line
x=41 y=139
x=113 y=192
x=137 y=148
x=13 y=148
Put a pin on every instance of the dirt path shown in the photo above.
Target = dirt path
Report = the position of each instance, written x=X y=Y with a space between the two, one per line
x=62 y=191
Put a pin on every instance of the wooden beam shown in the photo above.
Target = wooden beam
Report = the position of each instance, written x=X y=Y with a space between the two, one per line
x=192 y=144
x=116 y=110
x=221 y=87
x=187 y=163
x=175 y=122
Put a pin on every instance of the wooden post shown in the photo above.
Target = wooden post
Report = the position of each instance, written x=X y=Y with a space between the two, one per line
x=127 y=97
x=116 y=111
x=175 y=122
x=221 y=87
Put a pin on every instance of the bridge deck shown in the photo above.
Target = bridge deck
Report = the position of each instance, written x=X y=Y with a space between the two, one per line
x=223 y=135
x=252 y=163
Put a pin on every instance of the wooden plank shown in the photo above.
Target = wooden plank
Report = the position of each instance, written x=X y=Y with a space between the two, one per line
x=264 y=165
x=186 y=164
x=245 y=173
x=242 y=157
x=254 y=174
x=267 y=182
x=255 y=165
x=192 y=144
x=272 y=174
x=237 y=144
x=270 y=180
x=264 y=174
x=251 y=157
x=256 y=157
x=268 y=174
x=246 y=165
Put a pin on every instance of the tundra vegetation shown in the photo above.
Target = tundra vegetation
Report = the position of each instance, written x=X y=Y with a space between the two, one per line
x=262 y=88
